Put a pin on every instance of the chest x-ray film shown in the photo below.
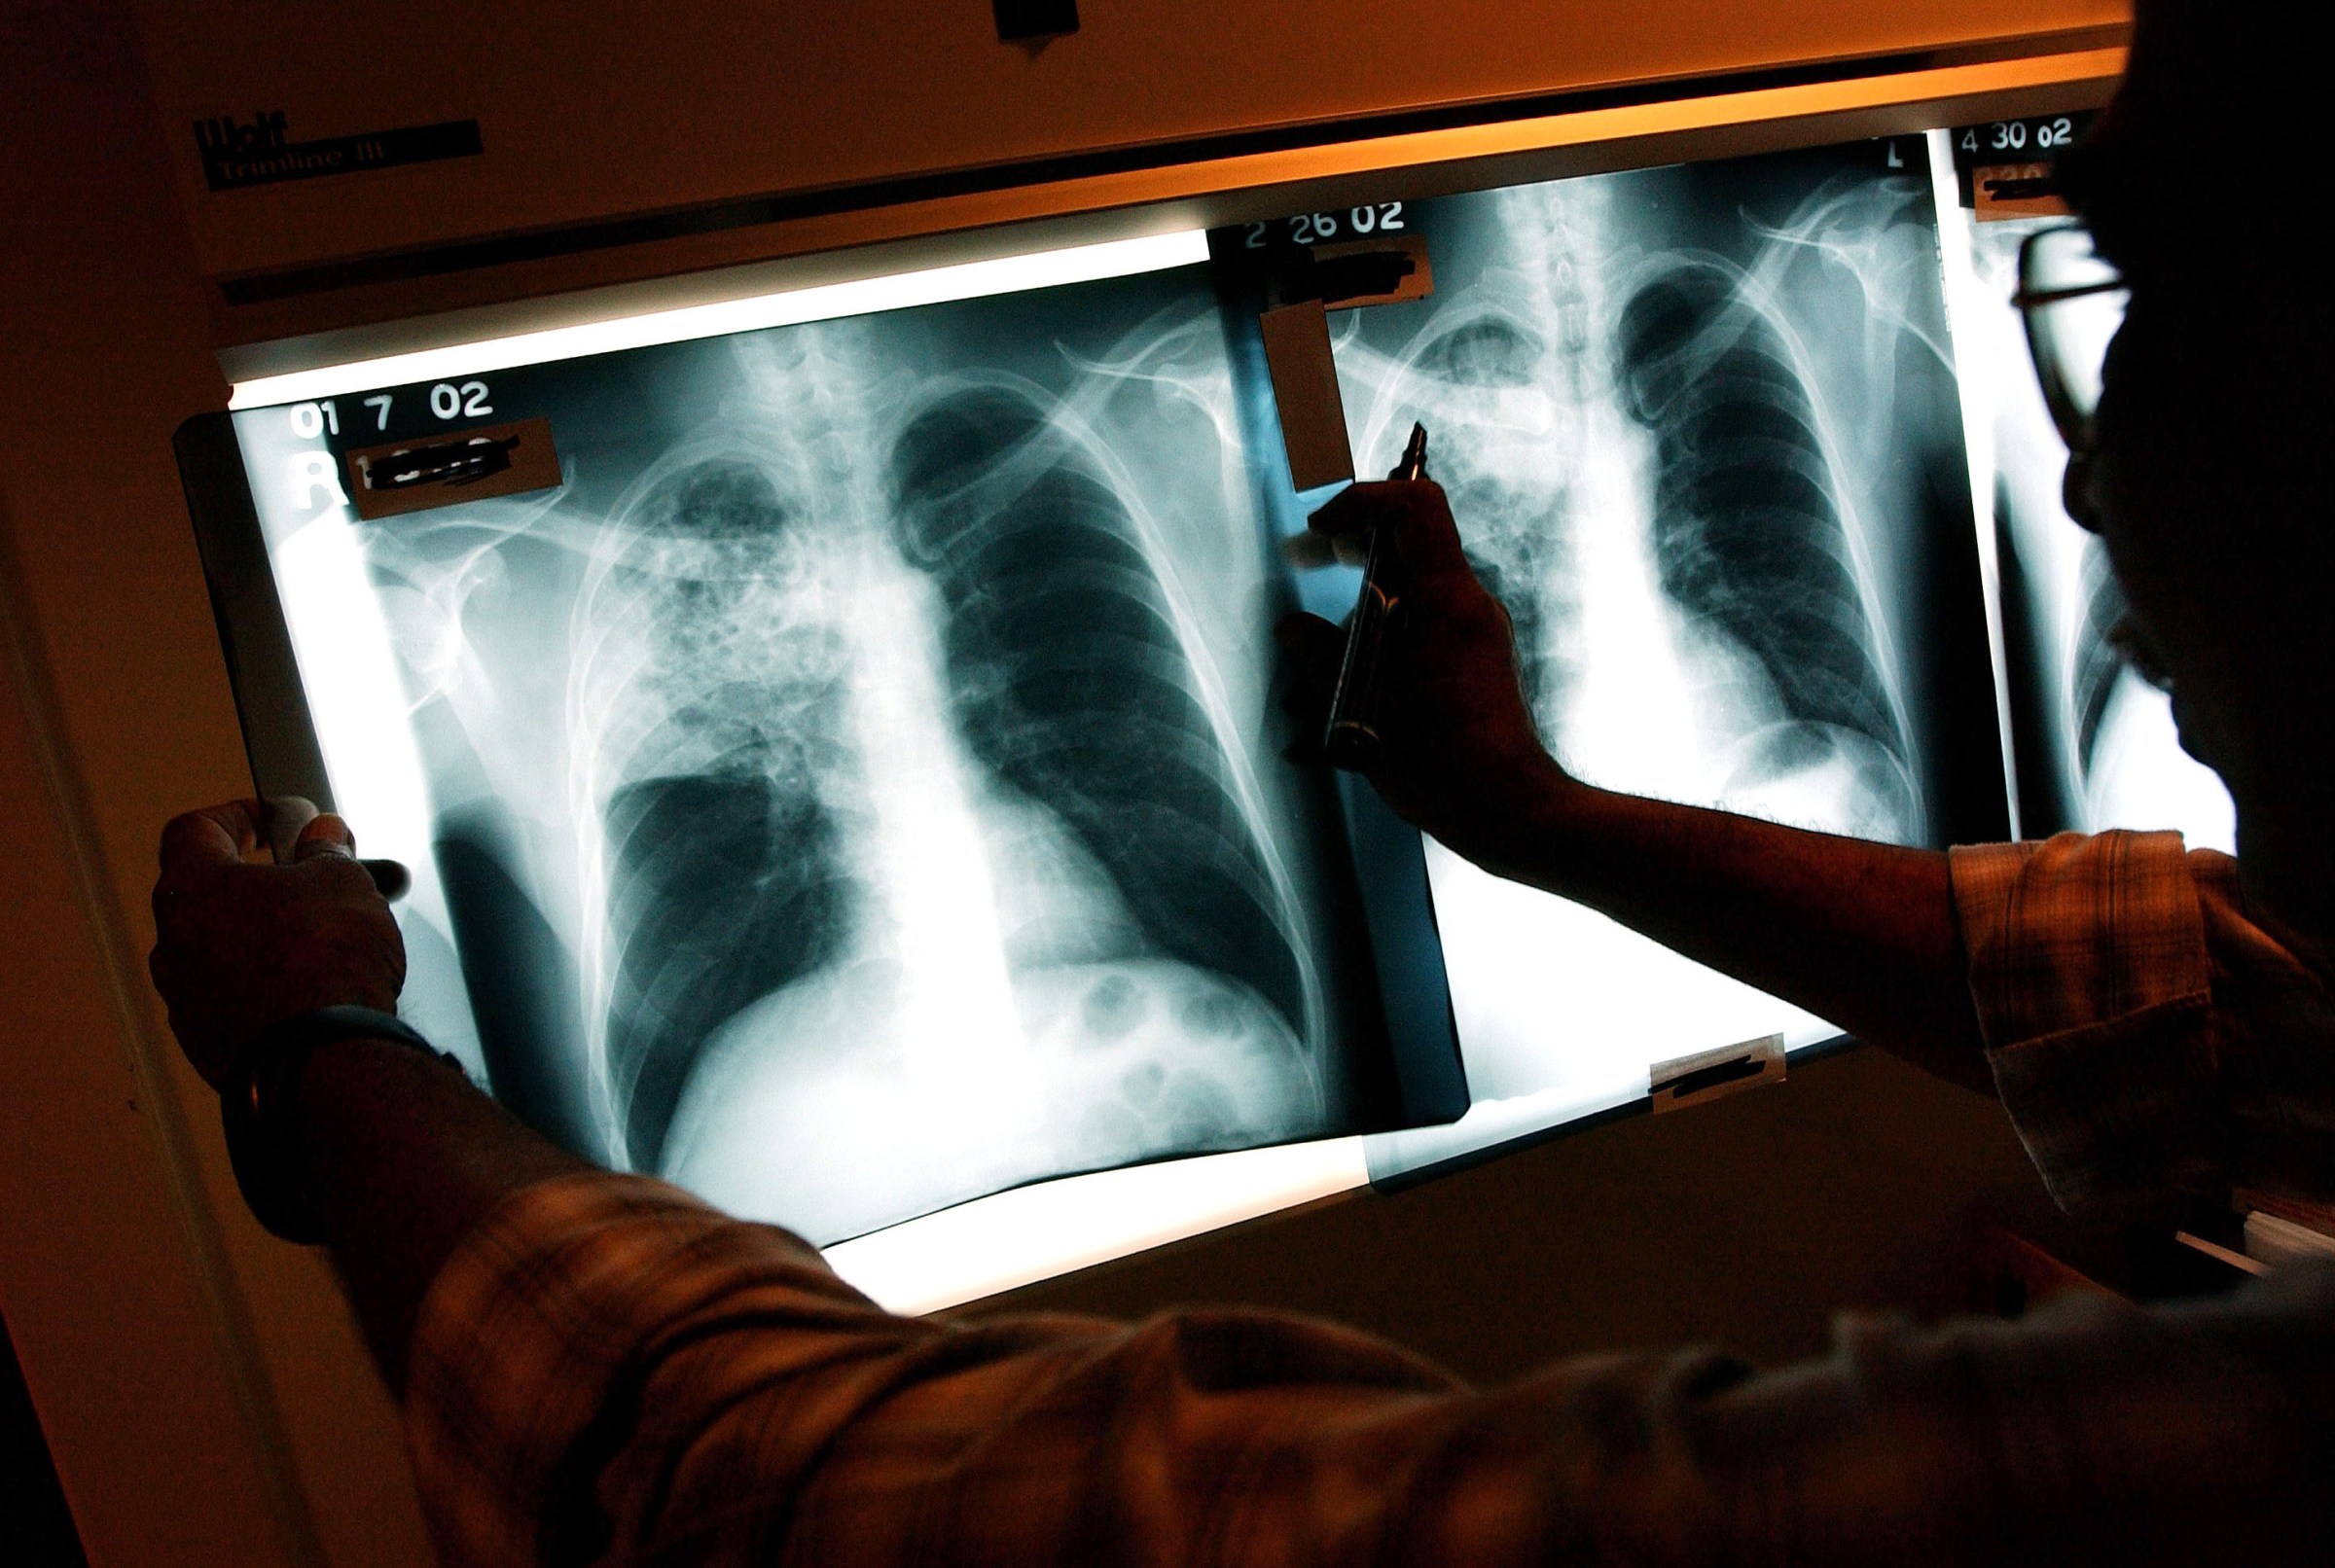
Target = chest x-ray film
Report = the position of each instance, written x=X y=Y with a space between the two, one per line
x=2096 y=742
x=853 y=788
x=1699 y=426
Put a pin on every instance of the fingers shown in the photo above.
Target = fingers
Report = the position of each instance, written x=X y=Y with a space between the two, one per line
x=1314 y=649
x=1309 y=549
x=390 y=878
x=215 y=836
x=327 y=837
x=281 y=819
x=1425 y=538
x=323 y=833
x=1355 y=510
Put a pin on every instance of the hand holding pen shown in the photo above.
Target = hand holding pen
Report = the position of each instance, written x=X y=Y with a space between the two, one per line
x=1350 y=738
x=1455 y=751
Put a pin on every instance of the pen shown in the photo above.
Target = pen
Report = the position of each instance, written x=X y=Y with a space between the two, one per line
x=1351 y=739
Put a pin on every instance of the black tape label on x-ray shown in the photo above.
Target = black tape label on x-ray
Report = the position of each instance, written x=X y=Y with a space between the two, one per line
x=1712 y=1075
x=1368 y=255
x=237 y=155
x=464 y=465
x=2008 y=168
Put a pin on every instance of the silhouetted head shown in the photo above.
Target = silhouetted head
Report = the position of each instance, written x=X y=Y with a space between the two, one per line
x=2210 y=476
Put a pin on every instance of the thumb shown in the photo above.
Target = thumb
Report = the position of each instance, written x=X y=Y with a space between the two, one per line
x=324 y=835
x=1428 y=538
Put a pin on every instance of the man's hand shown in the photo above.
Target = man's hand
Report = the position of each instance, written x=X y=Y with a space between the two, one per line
x=242 y=945
x=1462 y=760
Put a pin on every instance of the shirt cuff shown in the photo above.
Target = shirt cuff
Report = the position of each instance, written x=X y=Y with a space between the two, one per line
x=2089 y=971
x=532 y=1330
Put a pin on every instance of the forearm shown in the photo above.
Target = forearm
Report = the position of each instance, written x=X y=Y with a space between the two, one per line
x=401 y=1156
x=616 y=1364
x=1862 y=934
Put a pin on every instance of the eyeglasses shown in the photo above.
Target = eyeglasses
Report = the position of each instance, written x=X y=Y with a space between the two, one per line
x=2073 y=303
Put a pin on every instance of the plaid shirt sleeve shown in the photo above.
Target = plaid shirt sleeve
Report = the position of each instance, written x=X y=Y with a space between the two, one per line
x=608 y=1371
x=2149 y=1036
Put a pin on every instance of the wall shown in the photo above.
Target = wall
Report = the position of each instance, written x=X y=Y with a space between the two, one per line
x=134 y=1285
x=579 y=119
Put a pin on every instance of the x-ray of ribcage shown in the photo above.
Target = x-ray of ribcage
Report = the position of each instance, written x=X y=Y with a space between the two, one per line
x=2096 y=744
x=1698 y=429
x=873 y=732
x=1666 y=429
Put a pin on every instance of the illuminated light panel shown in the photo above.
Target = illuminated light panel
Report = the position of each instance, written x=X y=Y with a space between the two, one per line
x=343 y=648
x=1033 y=1232
x=1006 y=274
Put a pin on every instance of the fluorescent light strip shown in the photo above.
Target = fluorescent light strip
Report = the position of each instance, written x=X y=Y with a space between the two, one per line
x=968 y=280
x=1029 y=1233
